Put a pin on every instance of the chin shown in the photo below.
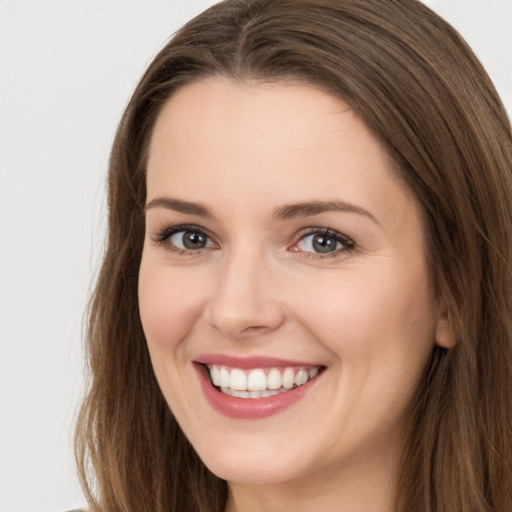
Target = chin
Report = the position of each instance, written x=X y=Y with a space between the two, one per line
x=252 y=470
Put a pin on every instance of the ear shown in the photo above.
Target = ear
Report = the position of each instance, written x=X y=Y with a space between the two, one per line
x=445 y=333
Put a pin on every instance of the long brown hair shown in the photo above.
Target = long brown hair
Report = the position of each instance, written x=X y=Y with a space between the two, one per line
x=422 y=91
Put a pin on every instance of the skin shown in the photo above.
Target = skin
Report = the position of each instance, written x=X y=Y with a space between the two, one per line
x=366 y=313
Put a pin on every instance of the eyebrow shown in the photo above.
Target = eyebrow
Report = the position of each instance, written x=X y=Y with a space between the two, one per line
x=310 y=208
x=280 y=214
x=179 y=206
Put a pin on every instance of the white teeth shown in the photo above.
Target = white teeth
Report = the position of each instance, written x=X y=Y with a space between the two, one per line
x=301 y=377
x=249 y=394
x=269 y=392
x=238 y=380
x=256 y=383
x=215 y=375
x=224 y=377
x=288 y=378
x=274 y=380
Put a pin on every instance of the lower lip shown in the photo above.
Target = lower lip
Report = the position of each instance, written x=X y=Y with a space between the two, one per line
x=249 y=408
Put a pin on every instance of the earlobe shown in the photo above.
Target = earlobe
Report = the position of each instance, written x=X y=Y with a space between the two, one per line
x=445 y=333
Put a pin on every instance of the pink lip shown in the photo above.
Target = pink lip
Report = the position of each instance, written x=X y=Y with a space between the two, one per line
x=249 y=408
x=247 y=363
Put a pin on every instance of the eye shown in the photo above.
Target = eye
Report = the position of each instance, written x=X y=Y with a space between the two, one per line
x=190 y=240
x=184 y=239
x=324 y=242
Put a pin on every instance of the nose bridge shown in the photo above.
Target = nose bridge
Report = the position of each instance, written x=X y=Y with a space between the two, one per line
x=243 y=301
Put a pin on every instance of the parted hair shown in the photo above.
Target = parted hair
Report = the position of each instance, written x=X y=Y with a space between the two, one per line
x=423 y=93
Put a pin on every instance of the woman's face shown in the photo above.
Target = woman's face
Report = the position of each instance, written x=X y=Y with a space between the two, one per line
x=281 y=249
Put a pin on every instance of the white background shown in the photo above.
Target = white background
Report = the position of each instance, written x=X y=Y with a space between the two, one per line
x=67 y=68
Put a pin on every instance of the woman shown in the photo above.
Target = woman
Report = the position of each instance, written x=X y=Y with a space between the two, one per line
x=304 y=299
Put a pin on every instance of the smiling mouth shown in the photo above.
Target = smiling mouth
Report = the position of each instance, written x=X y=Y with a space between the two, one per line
x=259 y=382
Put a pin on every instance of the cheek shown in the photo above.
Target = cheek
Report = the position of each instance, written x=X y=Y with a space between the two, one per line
x=379 y=327
x=168 y=306
x=169 y=309
x=383 y=311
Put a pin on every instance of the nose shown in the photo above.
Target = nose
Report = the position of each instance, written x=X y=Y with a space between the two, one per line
x=245 y=301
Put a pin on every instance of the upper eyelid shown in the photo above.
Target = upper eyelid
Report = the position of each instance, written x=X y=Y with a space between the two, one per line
x=165 y=233
x=308 y=230
x=322 y=229
x=325 y=231
x=171 y=230
x=162 y=238
x=348 y=244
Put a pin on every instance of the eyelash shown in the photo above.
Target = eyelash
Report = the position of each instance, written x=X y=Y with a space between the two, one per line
x=163 y=237
x=348 y=245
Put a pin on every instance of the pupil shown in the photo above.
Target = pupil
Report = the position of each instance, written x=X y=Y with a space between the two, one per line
x=194 y=240
x=324 y=243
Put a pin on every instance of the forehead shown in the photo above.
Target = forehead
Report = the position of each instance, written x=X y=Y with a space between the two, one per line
x=235 y=107
x=282 y=141
x=265 y=119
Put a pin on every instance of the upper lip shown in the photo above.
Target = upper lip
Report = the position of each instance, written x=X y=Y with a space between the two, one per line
x=250 y=362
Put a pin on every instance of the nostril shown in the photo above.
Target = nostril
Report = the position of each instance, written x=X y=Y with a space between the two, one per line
x=255 y=329
x=241 y=306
